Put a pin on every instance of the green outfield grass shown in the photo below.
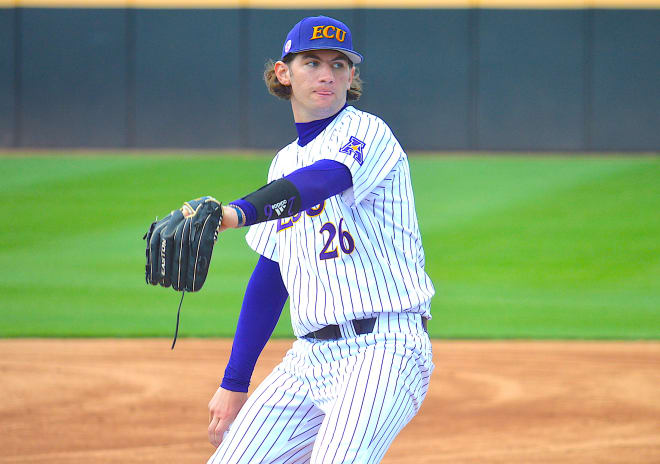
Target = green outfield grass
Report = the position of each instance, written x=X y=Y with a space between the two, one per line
x=517 y=247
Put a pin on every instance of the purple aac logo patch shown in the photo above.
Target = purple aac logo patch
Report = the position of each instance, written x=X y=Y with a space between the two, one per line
x=354 y=148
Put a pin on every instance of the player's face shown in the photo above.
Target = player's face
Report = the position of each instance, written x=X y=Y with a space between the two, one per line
x=319 y=80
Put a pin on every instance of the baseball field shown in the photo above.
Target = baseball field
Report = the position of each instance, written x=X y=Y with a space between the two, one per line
x=546 y=317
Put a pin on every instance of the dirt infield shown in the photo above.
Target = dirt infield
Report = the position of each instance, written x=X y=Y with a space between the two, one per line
x=135 y=401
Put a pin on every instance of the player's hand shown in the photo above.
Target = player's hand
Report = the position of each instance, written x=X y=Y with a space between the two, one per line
x=229 y=219
x=223 y=409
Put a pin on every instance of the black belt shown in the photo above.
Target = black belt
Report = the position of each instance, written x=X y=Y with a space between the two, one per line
x=362 y=326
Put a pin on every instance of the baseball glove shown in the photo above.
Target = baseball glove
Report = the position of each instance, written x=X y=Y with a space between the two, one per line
x=179 y=246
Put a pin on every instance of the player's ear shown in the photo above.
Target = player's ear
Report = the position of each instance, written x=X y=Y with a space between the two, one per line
x=351 y=76
x=283 y=73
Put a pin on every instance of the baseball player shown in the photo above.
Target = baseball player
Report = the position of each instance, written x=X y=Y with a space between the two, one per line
x=337 y=233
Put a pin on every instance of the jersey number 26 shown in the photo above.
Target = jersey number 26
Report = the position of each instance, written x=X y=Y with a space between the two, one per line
x=346 y=242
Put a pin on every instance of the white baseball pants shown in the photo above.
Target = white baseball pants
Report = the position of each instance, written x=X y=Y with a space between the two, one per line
x=339 y=401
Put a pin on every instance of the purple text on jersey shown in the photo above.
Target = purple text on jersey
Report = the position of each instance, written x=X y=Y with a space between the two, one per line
x=288 y=222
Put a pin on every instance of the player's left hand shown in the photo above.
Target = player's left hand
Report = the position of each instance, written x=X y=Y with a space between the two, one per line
x=223 y=409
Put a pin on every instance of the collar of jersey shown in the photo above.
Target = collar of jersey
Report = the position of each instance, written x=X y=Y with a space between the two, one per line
x=307 y=131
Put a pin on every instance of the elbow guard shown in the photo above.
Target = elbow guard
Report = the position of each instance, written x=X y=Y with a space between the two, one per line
x=279 y=199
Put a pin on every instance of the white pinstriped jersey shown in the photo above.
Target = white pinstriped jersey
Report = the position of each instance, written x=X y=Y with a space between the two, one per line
x=360 y=252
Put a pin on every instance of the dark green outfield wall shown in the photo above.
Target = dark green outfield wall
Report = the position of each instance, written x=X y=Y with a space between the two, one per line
x=8 y=86
x=453 y=79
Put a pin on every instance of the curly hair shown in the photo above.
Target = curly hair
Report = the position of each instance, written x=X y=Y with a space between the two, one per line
x=284 y=91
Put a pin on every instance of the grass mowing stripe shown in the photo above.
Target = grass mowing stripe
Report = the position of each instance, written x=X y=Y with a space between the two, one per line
x=113 y=190
x=473 y=311
x=36 y=171
x=583 y=230
x=517 y=247
x=579 y=261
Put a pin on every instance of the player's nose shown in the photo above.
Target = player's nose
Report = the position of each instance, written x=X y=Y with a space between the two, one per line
x=325 y=73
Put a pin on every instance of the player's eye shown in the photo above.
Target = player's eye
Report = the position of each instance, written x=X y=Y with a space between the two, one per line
x=338 y=64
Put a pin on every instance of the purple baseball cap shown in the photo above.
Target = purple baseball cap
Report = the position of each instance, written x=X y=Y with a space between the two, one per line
x=320 y=33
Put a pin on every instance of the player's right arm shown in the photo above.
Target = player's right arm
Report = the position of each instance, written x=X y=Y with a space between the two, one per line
x=262 y=306
x=266 y=293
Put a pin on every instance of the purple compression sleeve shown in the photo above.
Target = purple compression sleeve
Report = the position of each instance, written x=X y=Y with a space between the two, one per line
x=320 y=181
x=316 y=182
x=262 y=306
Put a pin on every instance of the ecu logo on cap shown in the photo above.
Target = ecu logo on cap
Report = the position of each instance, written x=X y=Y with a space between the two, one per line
x=328 y=32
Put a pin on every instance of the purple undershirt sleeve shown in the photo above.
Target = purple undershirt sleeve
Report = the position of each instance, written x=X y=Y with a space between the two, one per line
x=262 y=306
x=315 y=183
x=320 y=181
